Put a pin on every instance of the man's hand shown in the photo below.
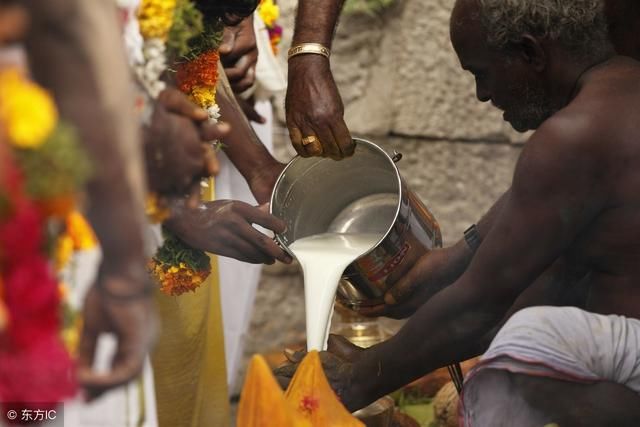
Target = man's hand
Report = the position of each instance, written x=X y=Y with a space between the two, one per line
x=314 y=110
x=416 y=281
x=175 y=150
x=337 y=363
x=224 y=227
x=133 y=321
x=239 y=54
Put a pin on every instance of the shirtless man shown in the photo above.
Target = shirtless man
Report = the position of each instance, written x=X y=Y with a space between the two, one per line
x=568 y=221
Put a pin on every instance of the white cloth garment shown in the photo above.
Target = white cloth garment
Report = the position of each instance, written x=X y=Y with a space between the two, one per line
x=238 y=280
x=562 y=343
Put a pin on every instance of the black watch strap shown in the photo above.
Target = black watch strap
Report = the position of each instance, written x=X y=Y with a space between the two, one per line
x=472 y=237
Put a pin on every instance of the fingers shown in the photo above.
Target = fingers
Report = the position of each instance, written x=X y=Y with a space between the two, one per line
x=178 y=103
x=263 y=218
x=373 y=311
x=402 y=289
x=266 y=246
x=250 y=111
x=242 y=74
x=193 y=196
x=260 y=241
x=296 y=140
x=343 y=139
x=213 y=131
x=294 y=356
x=329 y=148
x=211 y=163
x=343 y=348
x=228 y=41
x=311 y=142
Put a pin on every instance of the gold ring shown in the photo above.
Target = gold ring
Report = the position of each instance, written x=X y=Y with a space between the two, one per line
x=309 y=140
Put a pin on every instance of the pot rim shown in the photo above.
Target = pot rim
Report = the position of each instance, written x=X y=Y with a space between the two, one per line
x=377 y=148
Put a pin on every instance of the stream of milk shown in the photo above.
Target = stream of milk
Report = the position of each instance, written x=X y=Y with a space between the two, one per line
x=323 y=258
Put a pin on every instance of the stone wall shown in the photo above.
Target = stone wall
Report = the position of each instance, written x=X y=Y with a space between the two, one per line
x=398 y=73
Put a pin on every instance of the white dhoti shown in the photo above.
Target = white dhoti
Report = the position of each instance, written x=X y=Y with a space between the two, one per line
x=563 y=343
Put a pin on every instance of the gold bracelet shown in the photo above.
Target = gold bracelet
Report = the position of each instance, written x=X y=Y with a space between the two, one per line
x=303 y=48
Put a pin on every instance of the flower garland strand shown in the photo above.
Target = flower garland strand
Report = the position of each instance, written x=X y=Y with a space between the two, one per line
x=40 y=180
x=177 y=267
x=269 y=12
x=155 y=18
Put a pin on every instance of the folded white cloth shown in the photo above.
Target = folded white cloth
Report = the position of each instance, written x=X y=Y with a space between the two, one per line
x=563 y=343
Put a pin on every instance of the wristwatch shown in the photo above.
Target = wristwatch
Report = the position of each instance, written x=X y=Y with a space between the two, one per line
x=472 y=237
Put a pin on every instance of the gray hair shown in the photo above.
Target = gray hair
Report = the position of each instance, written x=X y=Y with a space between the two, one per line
x=579 y=25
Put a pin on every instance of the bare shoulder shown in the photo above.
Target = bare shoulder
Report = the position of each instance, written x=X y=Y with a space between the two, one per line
x=564 y=157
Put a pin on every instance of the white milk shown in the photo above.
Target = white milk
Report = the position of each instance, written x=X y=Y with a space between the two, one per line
x=323 y=258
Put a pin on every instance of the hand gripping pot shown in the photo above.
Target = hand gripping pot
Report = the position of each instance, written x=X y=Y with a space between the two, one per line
x=360 y=194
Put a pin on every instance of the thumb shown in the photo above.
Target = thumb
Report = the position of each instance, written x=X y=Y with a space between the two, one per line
x=402 y=289
x=250 y=112
x=343 y=348
x=228 y=41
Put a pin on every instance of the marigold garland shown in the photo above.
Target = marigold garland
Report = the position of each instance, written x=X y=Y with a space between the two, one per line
x=155 y=18
x=177 y=267
x=269 y=12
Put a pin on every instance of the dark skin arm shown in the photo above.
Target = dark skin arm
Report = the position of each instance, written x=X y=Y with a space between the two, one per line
x=244 y=149
x=554 y=196
x=414 y=284
x=239 y=56
x=313 y=103
x=224 y=227
x=74 y=50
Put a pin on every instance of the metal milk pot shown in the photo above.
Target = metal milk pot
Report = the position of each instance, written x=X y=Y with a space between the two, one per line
x=361 y=194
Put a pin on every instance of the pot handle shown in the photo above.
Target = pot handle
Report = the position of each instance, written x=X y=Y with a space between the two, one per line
x=396 y=156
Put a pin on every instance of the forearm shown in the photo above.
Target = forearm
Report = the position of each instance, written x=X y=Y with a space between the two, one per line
x=75 y=51
x=445 y=330
x=241 y=145
x=316 y=21
x=488 y=220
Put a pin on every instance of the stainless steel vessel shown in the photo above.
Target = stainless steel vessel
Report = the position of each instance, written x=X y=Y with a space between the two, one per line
x=361 y=194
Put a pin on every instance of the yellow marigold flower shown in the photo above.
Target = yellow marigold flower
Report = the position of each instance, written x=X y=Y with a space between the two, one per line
x=63 y=290
x=155 y=213
x=204 y=96
x=80 y=232
x=155 y=18
x=27 y=110
x=63 y=251
x=269 y=12
x=71 y=336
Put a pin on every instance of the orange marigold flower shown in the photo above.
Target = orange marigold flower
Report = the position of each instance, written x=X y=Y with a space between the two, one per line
x=80 y=232
x=175 y=280
x=202 y=71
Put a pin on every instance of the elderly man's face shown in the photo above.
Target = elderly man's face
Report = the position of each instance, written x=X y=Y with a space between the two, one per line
x=505 y=79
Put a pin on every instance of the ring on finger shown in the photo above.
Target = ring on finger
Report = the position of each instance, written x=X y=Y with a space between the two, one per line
x=309 y=140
